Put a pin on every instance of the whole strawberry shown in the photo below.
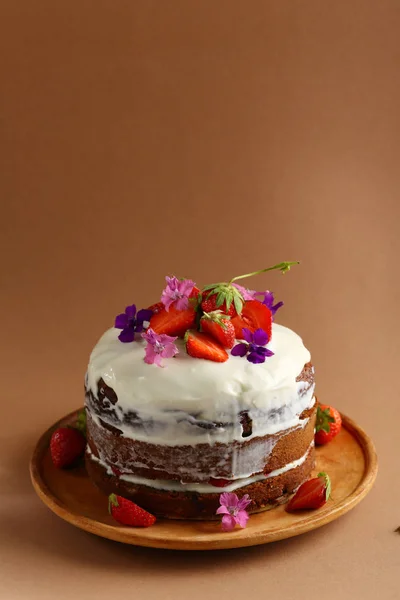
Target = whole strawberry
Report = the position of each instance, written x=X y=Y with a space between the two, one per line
x=311 y=494
x=328 y=424
x=67 y=445
x=128 y=513
x=211 y=303
x=219 y=327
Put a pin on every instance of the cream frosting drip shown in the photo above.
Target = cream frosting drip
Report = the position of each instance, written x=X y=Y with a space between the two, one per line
x=170 y=402
x=202 y=488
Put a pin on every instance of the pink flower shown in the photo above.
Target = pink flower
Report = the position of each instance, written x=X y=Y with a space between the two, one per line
x=247 y=294
x=177 y=293
x=158 y=347
x=234 y=510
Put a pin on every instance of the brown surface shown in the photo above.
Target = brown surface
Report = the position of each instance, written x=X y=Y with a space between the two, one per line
x=350 y=459
x=120 y=118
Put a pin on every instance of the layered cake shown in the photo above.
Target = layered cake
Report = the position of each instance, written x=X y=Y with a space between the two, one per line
x=200 y=394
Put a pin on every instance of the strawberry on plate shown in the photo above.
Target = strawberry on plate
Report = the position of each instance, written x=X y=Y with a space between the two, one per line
x=202 y=345
x=173 y=322
x=311 y=494
x=157 y=307
x=210 y=304
x=255 y=315
x=128 y=513
x=328 y=424
x=219 y=327
x=67 y=445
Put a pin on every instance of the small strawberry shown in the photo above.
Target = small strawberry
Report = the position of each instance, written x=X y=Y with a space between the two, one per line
x=217 y=482
x=128 y=513
x=311 y=494
x=219 y=327
x=173 y=322
x=255 y=315
x=328 y=424
x=202 y=345
x=67 y=444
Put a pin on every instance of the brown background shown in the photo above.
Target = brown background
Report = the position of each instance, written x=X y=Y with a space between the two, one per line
x=204 y=139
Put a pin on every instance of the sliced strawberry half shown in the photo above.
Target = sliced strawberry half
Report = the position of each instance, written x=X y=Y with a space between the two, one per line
x=219 y=327
x=202 y=345
x=173 y=322
x=311 y=494
x=255 y=315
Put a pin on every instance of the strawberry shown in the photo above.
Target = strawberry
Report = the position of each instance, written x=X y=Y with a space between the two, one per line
x=217 y=482
x=210 y=304
x=311 y=494
x=67 y=444
x=195 y=292
x=254 y=315
x=202 y=345
x=328 y=424
x=128 y=513
x=157 y=307
x=219 y=327
x=173 y=322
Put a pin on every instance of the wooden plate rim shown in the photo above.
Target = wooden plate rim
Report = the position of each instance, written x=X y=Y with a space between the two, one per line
x=204 y=541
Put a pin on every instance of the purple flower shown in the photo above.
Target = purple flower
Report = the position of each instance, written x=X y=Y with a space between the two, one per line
x=268 y=300
x=234 y=510
x=159 y=346
x=177 y=292
x=253 y=347
x=131 y=323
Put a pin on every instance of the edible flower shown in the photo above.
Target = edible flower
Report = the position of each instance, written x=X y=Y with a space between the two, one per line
x=131 y=323
x=177 y=293
x=254 y=346
x=159 y=346
x=233 y=510
x=269 y=300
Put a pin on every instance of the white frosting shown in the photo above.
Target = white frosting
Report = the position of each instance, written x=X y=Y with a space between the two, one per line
x=170 y=400
x=202 y=488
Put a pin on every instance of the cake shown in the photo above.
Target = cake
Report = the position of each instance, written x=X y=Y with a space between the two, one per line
x=176 y=416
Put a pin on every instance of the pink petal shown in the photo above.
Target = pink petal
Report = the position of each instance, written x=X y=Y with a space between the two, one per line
x=222 y=510
x=166 y=300
x=169 y=351
x=181 y=303
x=228 y=499
x=244 y=502
x=158 y=360
x=150 y=355
x=186 y=286
x=228 y=523
x=241 y=518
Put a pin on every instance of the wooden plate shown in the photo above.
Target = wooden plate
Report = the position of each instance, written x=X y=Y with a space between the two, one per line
x=350 y=460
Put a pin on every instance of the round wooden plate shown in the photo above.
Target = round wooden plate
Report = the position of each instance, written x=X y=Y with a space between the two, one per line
x=350 y=460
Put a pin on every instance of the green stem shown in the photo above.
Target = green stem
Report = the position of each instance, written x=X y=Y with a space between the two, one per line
x=283 y=266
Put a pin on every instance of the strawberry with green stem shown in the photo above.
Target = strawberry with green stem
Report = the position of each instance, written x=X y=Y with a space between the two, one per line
x=312 y=494
x=219 y=327
x=328 y=424
x=67 y=444
x=128 y=513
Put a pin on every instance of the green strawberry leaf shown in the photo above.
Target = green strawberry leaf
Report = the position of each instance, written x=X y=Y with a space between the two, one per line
x=323 y=419
x=81 y=422
x=112 y=501
x=327 y=483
